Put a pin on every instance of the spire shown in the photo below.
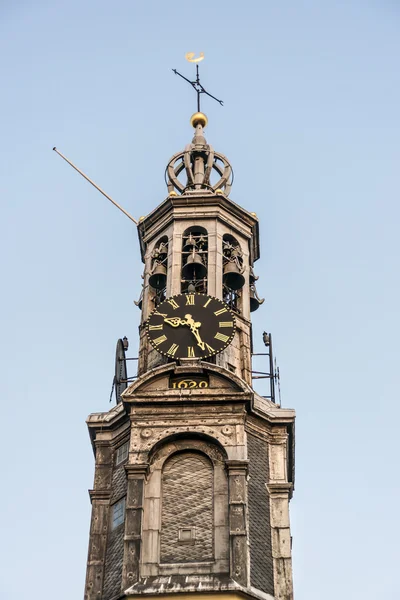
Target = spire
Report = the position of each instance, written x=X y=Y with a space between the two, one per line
x=198 y=160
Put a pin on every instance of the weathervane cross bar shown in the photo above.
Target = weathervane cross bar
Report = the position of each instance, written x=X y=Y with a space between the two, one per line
x=198 y=87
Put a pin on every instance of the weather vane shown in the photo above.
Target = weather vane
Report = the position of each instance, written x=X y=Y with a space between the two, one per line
x=190 y=56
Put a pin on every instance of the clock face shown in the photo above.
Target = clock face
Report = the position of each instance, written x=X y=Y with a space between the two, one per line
x=191 y=326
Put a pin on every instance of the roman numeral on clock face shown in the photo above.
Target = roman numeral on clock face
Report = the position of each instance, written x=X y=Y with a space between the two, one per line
x=220 y=311
x=221 y=337
x=159 y=327
x=191 y=352
x=190 y=300
x=174 y=304
x=160 y=340
x=226 y=323
x=173 y=349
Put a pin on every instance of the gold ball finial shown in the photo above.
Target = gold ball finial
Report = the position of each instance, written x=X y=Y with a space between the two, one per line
x=219 y=191
x=172 y=193
x=198 y=118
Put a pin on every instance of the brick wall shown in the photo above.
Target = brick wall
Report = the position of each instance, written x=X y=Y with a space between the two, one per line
x=115 y=541
x=261 y=564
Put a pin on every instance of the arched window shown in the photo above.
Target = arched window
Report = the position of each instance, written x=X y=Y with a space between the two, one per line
x=194 y=260
x=187 y=516
x=233 y=269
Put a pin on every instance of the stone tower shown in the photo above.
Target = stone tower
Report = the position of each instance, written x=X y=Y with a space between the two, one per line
x=194 y=469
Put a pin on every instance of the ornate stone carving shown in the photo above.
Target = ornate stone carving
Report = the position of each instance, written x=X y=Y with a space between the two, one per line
x=146 y=433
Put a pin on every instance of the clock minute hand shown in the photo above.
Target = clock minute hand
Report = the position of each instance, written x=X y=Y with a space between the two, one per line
x=194 y=328
x=196 y=334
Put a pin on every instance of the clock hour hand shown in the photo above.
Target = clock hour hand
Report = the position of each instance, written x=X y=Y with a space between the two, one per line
x=174 y=321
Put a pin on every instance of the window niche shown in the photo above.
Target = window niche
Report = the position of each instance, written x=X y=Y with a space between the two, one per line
x=233 y=272
x=186 y=509
x=194 y=260
x=122 y=453
x=117 y=514
x=187 y=518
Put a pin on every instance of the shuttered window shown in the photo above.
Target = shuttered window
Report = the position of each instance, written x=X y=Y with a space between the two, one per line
x=187 y=522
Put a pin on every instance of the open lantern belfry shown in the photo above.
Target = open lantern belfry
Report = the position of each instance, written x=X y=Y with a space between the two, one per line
x=194 y=469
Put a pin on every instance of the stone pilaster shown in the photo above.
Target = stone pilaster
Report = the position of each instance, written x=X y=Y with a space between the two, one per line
x=133 y=523
x=237 y=473
x=100 y=498
x=280 y=490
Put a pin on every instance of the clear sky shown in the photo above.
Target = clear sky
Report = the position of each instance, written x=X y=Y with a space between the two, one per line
x=311 y=127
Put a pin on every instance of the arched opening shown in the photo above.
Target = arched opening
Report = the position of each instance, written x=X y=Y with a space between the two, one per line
x=233 y=268
x=158 y=271
x=194 y=260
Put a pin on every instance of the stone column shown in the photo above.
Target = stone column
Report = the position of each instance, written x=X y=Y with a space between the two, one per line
x=133 y=523
x=100 y=498
x=239 y=560
x=280 y=491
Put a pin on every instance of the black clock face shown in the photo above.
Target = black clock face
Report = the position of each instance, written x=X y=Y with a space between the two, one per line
x=191 y=326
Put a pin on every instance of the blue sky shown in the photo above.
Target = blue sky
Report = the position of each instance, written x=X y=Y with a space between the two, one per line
x=311 y=126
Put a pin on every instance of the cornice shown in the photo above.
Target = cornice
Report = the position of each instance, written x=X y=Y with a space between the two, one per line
x=136 y=471
x=165 y=213
x=278 y=488
x=102 y=495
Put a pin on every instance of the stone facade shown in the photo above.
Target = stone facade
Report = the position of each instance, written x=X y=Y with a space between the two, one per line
x=192 y=484
x=207 y=489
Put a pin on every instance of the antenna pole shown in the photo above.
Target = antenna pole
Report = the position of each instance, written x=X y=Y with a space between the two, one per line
x=96 y=186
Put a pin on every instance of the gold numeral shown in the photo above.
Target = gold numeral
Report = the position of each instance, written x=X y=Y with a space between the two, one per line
x=221 y=336
x=173 y=303
x=209 y=349
x=220 y=311
x=159 y=327
x=226 y=323
x=190 y=300
x=207 y=303
x=173 y=349
x=191 y=352
x=159 y=314
x=160 y=340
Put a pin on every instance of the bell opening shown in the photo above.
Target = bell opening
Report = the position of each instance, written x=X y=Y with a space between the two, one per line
x=194 y=260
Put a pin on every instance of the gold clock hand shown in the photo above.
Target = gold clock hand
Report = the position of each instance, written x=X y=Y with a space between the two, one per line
x=174 y=321
x=196 y=334
x=194 y=328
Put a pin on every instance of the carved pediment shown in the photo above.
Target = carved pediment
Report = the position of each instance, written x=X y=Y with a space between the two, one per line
x=194 y=378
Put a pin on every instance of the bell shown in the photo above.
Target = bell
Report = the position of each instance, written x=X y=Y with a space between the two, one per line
x=232 y=277
x=252 y=277
x=158 y=278
x=194 y=267
x=255 y=301
x=190 y=244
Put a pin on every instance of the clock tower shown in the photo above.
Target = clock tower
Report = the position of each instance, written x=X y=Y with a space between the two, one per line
x=194 y=469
